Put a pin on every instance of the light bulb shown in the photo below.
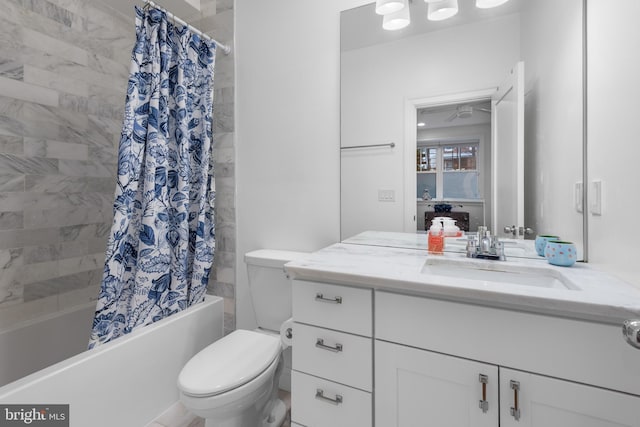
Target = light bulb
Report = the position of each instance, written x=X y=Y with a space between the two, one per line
x=441 y=10
x=486 y=4
x=397 y=20
x=385 y=7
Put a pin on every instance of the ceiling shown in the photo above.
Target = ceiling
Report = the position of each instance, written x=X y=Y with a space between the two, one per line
x=442 y=117
x=361 y=26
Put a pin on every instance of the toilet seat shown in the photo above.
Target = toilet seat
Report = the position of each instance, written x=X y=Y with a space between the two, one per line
x=228 y=363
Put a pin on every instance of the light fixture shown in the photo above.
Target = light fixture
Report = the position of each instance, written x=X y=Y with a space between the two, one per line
x=421 y=124
x=486 y=4
x=384 y=7
x=442 y=9
x=397 y=20
x=396 y=12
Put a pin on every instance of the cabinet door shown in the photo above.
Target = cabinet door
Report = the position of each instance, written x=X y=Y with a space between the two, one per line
x=529 y=400
x=420 y=388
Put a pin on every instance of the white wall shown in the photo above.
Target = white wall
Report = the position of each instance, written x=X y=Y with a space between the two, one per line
x=376 y=81
x=552 y=53
x=287 y=99
x=613 y=113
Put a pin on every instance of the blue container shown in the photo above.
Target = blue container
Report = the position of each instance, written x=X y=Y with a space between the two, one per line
x=541 y=242
x=560 y=253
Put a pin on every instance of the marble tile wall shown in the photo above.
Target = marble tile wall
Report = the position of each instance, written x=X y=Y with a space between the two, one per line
x=217 y=20
x=63 y=71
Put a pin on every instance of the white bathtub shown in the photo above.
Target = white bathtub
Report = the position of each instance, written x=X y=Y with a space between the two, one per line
x=43 y=342
x=126 y=382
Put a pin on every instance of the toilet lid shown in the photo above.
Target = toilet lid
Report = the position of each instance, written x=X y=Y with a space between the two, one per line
x=228 y=363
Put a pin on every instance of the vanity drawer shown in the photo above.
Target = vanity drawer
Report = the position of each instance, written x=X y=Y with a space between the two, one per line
x=320 y=403
x=333 y=306
x=333 y=355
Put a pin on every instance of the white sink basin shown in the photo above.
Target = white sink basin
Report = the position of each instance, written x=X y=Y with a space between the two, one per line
x=497 y=272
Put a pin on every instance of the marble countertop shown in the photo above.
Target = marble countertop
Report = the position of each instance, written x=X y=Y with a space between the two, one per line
x=399 y=268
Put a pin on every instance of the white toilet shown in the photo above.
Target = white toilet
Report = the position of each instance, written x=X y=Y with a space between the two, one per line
x=234 y=381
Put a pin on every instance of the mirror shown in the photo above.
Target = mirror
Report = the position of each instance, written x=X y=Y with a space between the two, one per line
x=387 y=77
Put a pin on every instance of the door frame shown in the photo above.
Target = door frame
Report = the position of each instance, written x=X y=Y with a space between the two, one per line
x=513 y=83
x=411 y=106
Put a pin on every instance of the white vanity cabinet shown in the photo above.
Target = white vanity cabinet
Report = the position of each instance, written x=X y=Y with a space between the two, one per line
x=438 y=361
x=331 y=382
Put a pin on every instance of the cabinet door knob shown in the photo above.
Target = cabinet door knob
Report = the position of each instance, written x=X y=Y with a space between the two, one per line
x=320 y=396
x=631 y=332
x=321 y=298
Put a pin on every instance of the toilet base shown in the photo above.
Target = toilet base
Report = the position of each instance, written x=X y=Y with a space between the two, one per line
x=277 y=416
x=275 y=419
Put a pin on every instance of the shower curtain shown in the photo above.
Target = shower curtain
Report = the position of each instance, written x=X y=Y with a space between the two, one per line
x=161 y=245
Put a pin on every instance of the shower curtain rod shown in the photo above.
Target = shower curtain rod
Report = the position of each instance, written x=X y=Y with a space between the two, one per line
x=226 y=49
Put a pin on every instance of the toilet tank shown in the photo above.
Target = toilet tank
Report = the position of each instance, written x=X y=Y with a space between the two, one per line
x=269 y=286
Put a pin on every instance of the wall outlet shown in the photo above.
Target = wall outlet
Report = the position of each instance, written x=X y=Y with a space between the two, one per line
x=386 y=196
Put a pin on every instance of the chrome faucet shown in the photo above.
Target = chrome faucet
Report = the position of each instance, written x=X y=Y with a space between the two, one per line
x=485 y=246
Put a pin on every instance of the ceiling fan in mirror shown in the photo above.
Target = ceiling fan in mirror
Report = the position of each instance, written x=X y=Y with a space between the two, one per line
x=465 y=111
x=449 y=113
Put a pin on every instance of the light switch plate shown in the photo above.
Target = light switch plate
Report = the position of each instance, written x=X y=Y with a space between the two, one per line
x=578 y=197
x=386 y=195
x=596 y=198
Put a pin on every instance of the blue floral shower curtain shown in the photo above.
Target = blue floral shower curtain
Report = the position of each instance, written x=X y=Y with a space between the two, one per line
x=161 y=245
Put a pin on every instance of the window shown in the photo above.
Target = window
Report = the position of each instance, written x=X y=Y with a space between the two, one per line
x=427 y=159
x=448 y=170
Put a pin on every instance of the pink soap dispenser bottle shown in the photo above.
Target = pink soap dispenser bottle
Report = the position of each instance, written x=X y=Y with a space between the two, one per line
x=435 y=239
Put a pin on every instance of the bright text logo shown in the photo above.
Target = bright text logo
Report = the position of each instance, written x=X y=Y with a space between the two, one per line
x=34 y=415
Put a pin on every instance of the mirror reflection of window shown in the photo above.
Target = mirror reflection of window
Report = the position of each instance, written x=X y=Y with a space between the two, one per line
x=456 y=178
x=460 y=157
x=426 y=159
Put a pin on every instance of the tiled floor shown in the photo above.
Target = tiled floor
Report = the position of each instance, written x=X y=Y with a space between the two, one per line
x=178 y=416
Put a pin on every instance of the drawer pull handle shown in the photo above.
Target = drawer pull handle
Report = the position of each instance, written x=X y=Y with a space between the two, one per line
x=515 y=409
x=336 y=300
x=484 y=404
x=320 y=396
x=320 y=344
